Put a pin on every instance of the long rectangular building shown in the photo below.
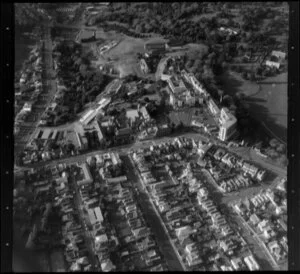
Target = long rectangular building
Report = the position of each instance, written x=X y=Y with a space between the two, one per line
x=87 y=175
x=95 y=215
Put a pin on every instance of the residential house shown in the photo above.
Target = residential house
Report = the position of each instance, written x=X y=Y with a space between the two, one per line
x=251 y=263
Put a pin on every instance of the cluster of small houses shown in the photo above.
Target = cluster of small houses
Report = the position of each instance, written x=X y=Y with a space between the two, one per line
x=276 y=59
x=177 y=210
x=231 y=183
x=115 y=190
x=105 y=239
x=35 y=82
x=140 y=239
x=258 y=212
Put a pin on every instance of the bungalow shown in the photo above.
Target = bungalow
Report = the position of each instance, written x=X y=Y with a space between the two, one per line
x=272 y=64
x=119 y=179
x=141 y=232
x=254 y=219
x=251 y=263
x=279 y=54
x=161 y=47
x=107 y=266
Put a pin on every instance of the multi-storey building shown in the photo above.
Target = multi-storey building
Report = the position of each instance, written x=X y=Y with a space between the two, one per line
x=227 y=125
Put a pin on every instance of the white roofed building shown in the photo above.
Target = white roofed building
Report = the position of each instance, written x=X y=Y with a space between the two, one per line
x=227 y=125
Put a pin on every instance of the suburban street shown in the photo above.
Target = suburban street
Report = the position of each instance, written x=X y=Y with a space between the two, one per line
x=87 y=236
x=158 y=227
x=48 y=83
x=242 y=152
x=254 y=238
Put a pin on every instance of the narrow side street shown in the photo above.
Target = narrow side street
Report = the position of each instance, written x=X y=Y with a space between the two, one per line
x=159 y=229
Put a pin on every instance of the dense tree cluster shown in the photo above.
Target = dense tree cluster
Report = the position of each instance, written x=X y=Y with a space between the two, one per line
x=82 y=83
x=28 y=13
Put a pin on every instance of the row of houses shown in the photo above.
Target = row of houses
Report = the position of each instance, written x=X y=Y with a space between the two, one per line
x=267 y=218
x=176 y=211
x=233 y=161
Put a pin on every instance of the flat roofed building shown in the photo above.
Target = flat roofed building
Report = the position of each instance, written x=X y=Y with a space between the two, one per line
x=214 y=109
x=155 y=46
x=228 y=125
x=46 y=134
x=144 y=113
x=123 y=132
x=27 y=106
x=132 y=114
x=87 y=175
x=272 y=64
x=73 y=138
x=104 y=102
x=88 y=117
x=251 y=263
x=95 y=215
x=99 y=131
x=176 y=84
x=54 y=135
x=116 y=179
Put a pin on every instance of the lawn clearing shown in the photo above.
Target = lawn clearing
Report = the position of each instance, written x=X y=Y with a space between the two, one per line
x=270 y=104
x=233 y=83
x=57 y=261
x=266 y=101
x=184 y=117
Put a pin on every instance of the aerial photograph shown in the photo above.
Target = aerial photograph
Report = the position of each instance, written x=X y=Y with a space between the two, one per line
x=150 y=136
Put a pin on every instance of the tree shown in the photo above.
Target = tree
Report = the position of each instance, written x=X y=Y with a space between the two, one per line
x=272 y=153
x=140 y=28
x=273 y=143
x=51 y=145
x=227 y=100
x=282 y=160
x=281 y=148
x=77 y=108
x=220 y=94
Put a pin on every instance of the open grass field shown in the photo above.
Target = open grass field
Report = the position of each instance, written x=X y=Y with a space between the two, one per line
x=185 y=117
x=57 y=261
x=270 y=104
x=266 y=101
x=233 y=83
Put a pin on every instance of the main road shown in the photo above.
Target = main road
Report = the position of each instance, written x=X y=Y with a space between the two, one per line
x=242 y=152
x=86 y=234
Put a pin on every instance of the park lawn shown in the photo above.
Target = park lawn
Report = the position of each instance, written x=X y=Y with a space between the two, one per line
x=233 y=83
x=266 y=102
x=184 y=116
x=274 y=92
x=58 y=261
x=125 y=54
